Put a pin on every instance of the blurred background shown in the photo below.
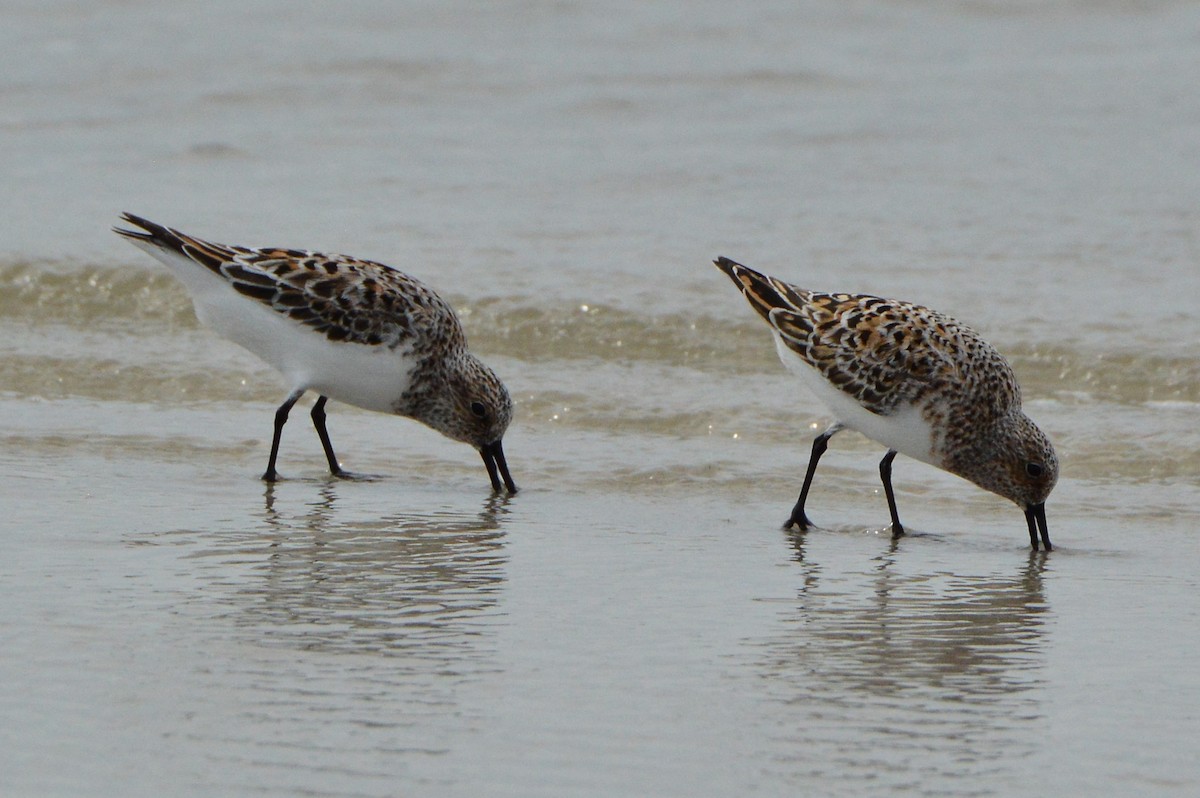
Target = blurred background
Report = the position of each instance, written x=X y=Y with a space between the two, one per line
x=633 y=622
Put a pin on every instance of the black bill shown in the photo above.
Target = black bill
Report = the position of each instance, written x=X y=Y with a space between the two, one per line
x=1035 y=516
x=493 y=458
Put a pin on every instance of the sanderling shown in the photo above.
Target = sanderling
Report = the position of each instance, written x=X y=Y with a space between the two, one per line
x=913 y=379
x=352 y=330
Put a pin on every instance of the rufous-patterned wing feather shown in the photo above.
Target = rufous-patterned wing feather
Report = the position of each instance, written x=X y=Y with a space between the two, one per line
x=864 y=346
x=345 y=298
x=884 y=353
x=764 y=293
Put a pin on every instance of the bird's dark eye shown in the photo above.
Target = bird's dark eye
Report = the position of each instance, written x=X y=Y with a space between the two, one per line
x=478 y=409
x=1035 y=470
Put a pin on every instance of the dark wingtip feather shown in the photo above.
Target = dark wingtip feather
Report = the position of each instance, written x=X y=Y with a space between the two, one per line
x=735 y=271
x=755 y=286
x=726 y=265
x=154 y=233
x=137 y=235
x=145 y=224
x=134 y=234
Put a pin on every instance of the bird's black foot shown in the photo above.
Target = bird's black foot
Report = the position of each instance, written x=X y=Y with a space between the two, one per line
x=897 y=531
x=270 y=476
x=801 y=522
x=354 y=476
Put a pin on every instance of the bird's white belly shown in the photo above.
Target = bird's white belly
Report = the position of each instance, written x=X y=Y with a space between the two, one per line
x=905 y=430
x=370 y=377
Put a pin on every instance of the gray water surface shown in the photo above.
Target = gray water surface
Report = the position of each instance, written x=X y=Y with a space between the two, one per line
x=633 y=622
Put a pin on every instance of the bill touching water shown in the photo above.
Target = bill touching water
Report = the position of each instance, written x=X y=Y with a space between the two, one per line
x=913 y=379
x=358 y=331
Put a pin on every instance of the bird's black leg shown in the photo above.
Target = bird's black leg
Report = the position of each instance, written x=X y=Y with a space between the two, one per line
x=885 y=473
x=820 y=444
x=318 y=418
x=281 y=417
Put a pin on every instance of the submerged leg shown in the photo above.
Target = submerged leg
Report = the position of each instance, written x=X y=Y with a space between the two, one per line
x=318 y=418
x=281 y=417
x=820 y=444
x=885 y=473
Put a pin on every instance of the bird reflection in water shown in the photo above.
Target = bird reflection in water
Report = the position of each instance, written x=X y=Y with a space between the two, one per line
x=893 y=669
x=325 y=577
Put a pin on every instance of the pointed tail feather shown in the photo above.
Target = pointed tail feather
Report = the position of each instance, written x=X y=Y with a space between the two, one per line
x=212 y=256
x=154 y=233
x=762 y=292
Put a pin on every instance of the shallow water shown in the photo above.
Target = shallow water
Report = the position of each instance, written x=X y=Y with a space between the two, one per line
x=633 y=622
